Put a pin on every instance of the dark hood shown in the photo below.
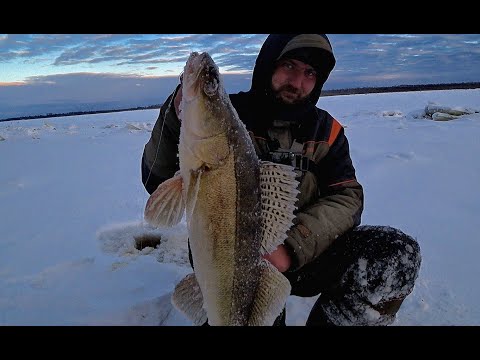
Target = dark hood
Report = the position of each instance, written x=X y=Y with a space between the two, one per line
x=313 y=49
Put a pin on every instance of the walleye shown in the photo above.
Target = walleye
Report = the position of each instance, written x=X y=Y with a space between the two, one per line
x=237 y=208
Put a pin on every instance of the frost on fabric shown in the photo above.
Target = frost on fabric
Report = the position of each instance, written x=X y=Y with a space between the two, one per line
x=384 y=273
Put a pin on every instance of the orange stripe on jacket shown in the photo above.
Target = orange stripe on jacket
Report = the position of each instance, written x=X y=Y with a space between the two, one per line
x=336 y=127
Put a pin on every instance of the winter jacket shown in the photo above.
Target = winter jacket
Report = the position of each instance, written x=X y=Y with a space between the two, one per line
x=330 y=201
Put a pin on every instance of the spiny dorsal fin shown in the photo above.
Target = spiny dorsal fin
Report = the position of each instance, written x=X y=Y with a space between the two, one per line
x=279 y=194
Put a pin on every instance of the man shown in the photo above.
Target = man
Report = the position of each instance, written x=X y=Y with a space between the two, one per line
x=362 y=273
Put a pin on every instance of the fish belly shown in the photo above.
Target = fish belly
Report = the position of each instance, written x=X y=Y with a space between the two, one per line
x=224 y=233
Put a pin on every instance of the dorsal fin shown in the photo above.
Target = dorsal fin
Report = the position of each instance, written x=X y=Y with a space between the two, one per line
x=279 y=195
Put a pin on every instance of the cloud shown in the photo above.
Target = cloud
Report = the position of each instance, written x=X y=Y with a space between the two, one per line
x=157 y=54
x=126 y=68
x=12 y=83
x=67 y=50
x=92 y=91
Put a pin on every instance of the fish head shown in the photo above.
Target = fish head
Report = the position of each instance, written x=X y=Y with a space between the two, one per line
x=203 y=96
x=206 y=113
x=201 y=76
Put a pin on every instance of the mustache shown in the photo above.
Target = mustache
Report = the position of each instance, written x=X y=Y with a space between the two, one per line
x=289 y=88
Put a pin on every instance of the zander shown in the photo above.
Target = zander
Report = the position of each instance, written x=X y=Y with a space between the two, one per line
x=237 y=208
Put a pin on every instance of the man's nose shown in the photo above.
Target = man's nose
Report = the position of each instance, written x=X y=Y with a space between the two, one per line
x=296 y=79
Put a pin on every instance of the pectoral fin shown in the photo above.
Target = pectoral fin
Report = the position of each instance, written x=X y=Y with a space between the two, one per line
x=188 y=299
x=272 y=293
x=165 y=207
x=279 y=195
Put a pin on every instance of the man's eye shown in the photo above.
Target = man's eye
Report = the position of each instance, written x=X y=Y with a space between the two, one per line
x=311 y=73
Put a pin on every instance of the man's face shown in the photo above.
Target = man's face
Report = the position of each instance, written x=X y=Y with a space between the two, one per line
x=293 y=81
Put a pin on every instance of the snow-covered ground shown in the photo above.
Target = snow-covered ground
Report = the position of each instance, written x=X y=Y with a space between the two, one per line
x=72 y=200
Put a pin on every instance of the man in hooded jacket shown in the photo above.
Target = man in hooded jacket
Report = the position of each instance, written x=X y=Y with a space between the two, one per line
x=362 y=273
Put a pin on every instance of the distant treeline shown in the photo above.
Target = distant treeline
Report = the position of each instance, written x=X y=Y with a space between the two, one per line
x=352 y=91
x=401 y=88
x=75 y=113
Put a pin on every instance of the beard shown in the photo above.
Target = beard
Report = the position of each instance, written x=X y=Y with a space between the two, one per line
x=289 y=95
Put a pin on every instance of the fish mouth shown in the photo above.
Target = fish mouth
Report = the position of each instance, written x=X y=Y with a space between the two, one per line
x=201 y=74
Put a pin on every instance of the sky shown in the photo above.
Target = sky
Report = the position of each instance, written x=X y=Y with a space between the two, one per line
x=72 y=202
x=59 y=73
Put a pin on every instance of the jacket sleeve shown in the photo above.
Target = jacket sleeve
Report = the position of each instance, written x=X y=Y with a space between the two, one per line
x=338 y=208
x=159 y=159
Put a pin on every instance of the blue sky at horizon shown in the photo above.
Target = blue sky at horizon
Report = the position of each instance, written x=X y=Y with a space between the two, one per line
x=89 y=68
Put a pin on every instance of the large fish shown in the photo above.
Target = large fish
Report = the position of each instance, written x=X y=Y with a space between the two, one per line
x=237 y=208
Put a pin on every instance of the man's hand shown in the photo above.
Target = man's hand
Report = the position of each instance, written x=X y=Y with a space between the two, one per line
x=279 y=258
